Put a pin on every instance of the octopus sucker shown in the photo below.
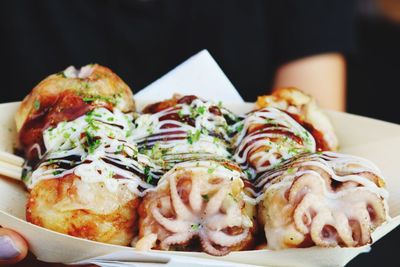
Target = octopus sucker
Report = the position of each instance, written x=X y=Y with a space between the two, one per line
x=221 y=209
x=300 y=200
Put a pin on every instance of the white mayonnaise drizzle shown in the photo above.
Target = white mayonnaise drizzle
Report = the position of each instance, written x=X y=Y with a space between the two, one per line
x=102 y=148
x=280 y=145
x=340 y=167
x=171 y=141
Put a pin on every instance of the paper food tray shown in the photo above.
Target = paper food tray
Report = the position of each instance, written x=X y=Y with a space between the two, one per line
x=376 y=140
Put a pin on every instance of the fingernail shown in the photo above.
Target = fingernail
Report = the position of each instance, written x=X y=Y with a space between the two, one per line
x=8 y=250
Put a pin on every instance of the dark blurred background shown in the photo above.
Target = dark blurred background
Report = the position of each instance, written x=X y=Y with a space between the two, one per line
x=373 y=69
x=140 y=41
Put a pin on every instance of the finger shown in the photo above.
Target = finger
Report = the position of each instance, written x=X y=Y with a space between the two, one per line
x=13 y=248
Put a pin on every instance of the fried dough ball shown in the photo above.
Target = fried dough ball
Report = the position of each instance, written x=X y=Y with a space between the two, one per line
x=325 y=200
x=94 y=84
x=66 y=96
x=305 y=110
x=198 y=205
x=87 y=210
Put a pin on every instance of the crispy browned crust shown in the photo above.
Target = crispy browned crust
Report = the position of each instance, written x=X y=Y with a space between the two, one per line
x=102 y=85
x=305 y=110
x=54 y=204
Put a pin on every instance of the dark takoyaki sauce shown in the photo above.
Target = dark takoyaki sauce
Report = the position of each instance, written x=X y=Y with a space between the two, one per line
x=52 y=109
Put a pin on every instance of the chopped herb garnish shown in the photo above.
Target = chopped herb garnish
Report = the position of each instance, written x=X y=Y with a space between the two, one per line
x=249 y=174
x=128 y=133
x=149 y=131
x=234 y=199
x=271 y=122
x=24 y=174
x=180 y=113
x=62 y=74
x=194 y=112
x=146 y=170
x=294 y=150
x=57 y=172
x=149 y=179
x=193 y=137
x=204 y=131
x=195 y=227
x=92 y=142
x=240 y=127
x=110 y=119
x=86 y=85
x=89 y=119
x=89 y=99
x=290 y=170
x=36 y=104
x=210 y=170
x=205 y=197
x=120 y=149
x=201 y=110
x=147 y=174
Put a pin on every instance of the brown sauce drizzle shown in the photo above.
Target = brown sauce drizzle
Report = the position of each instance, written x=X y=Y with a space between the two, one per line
x=53 y=109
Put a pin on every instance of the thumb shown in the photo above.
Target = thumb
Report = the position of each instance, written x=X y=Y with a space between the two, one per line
x=13 y=248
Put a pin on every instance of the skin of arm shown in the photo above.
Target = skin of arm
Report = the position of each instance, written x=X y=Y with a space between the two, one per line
x=323 y=76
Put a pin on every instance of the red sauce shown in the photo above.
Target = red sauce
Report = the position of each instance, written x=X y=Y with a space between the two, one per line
x=322 y=145
x=159 y=106
x=53 y=109
x=187 y=99
x=215 y=110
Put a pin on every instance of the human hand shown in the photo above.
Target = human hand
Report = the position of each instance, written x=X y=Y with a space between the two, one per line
x=13 y=248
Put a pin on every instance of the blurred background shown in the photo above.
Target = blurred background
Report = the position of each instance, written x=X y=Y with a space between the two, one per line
x=251 y=40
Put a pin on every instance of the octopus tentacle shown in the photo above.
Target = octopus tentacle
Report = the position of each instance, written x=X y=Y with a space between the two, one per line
x=216 y=222
x=223 y=239
x=303 y=210
x=195 y=198
x=205 y=201
x=343 y=229
x=332 y=198
x=176 y=239
x=209 y=248
x=215 y=202
x=362 y=217
x=171 y=225
x=180 y=208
